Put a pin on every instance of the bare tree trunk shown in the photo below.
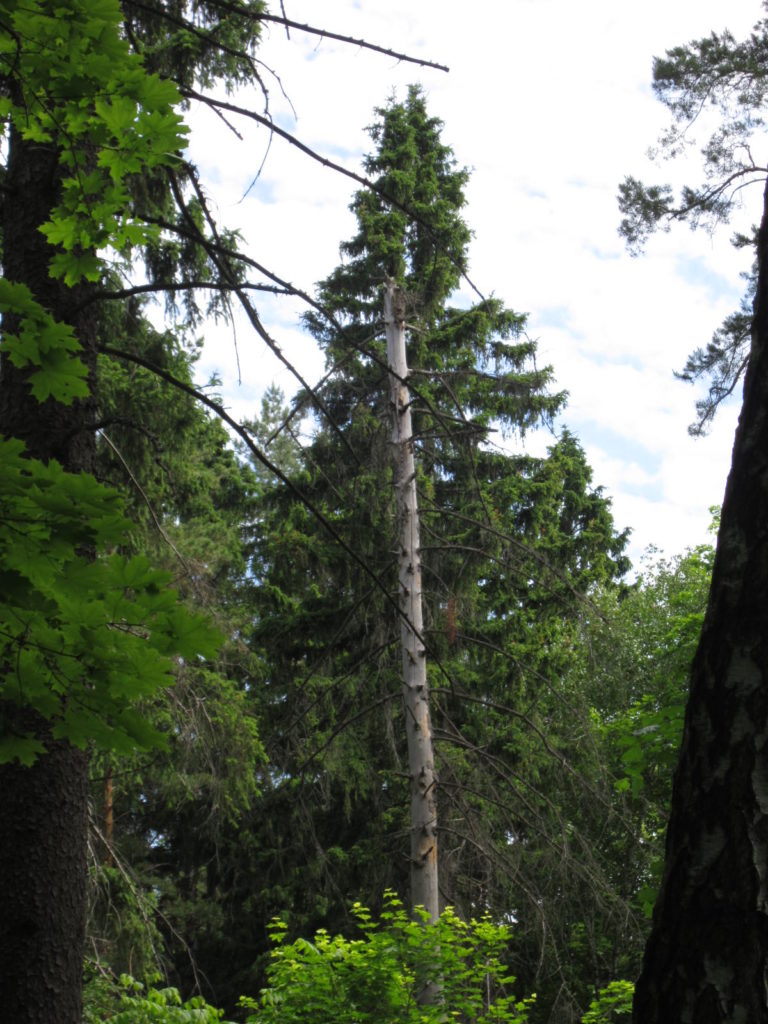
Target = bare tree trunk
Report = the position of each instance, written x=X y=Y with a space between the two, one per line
x=707 y=956
x=421 y=762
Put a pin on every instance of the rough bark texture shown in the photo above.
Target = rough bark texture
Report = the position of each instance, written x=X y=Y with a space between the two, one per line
x=421 y=763
x=43 y=809
x=43 y=822
x=707 y=957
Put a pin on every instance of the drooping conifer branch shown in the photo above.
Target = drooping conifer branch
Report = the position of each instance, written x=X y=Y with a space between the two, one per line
x=339 y=37
x=261 y=457
x=171 y=287
x=216 y=249
x=220 y=104
x=229 y=276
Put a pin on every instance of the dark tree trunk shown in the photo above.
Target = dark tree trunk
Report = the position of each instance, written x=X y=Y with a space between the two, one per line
x=707 y=957
x=43 y=809
x=43 y=830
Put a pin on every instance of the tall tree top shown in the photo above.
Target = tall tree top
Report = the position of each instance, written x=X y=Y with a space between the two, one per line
x=410 y=229
x=472 y=363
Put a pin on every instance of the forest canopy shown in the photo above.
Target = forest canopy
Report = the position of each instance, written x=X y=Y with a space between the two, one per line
x=219 y=638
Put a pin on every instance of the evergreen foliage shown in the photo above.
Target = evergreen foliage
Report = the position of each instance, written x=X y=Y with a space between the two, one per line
x=231 y=670
x=511 y=548
x=189 y=497
x=719 y=84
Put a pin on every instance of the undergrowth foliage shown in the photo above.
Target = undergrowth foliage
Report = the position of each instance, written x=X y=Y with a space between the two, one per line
x=379 y=977
x=134 y=1003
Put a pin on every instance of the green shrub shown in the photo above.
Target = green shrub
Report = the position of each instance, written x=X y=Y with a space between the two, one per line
x=133 y=1003
x=380 y=977
x=612 y=1006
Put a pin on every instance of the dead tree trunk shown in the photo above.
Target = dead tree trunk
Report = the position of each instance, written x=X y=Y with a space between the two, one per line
x=707 y=956
x=421 y=762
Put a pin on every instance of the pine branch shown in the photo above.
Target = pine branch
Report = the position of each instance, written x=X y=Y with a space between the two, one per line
x=162 y=11
x=517 y=543
x=158 y=525
x=342 y=726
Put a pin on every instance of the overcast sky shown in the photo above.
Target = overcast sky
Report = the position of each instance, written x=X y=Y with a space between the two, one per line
x=549 y=103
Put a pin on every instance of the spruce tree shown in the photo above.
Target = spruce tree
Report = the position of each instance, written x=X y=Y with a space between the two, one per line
x=509 y=544
x=92 y=164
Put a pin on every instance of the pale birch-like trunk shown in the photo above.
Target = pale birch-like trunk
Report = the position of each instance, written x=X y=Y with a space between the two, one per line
x=421 y=762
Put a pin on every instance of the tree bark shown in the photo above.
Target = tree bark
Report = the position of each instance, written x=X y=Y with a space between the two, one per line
x=43 y=808
x=421 y=762
x=43 y=869
x=707 y=956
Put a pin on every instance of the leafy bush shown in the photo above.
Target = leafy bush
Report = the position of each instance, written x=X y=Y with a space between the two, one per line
x=380 y=977
x=132 y=1003
x=613 y=1003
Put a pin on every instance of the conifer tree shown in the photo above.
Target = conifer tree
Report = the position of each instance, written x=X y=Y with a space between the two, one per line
x=91 y=164
x=508 y=544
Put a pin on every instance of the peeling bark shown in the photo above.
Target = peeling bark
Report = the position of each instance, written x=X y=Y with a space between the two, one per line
x=421 y=762
x=706 y=959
